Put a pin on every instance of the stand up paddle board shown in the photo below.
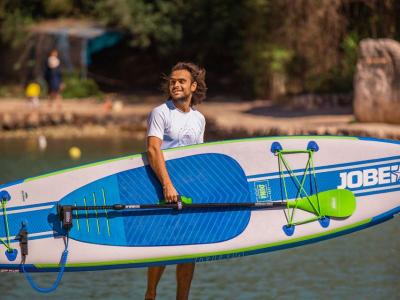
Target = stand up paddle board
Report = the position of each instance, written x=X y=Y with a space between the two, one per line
x=238 y=197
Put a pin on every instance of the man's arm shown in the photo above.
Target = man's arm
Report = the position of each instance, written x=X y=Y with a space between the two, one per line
x=157 y=163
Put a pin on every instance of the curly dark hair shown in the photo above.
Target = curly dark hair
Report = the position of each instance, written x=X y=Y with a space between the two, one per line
x=198 y=75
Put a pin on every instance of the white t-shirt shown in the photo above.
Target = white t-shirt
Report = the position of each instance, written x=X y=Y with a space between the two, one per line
x=174 y=127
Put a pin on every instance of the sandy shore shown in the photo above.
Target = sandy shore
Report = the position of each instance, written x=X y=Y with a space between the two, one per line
x=259 y=118
x=88 y=117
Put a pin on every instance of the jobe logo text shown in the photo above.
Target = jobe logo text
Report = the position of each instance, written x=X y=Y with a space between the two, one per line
x=369 y=177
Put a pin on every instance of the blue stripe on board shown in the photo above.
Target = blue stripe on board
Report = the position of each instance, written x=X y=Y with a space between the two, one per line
x=376 y=220
x=389 y=187
x=377 y=192
x=38 y=237
x=355 y=164
x=30 y=206
x=379 y=140
x=3 y=186
x=271 y=189
x=38 y=221
x=387 y=215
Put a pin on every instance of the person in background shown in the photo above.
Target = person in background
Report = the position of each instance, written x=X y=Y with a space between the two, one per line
x=53 y=78
x=172 y=124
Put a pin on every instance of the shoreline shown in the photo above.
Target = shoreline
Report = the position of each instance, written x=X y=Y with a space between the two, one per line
x=88 y=118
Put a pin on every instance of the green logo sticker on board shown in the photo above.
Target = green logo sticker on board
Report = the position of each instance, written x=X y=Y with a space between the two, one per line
x=262 y=190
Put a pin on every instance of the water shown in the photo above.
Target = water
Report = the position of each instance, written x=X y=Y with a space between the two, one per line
x=362 y=265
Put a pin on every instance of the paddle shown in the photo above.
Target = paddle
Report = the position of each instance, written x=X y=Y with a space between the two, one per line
x=339 y=203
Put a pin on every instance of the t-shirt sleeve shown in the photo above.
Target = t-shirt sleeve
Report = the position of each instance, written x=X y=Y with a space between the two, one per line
x=156 y=124
x=201 y=137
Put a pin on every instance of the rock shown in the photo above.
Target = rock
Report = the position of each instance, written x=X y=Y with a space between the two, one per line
x=20 y=120
x=69 y=118
x=33 y=120
x=56 y=118
x=377 y=82
x=44 y=119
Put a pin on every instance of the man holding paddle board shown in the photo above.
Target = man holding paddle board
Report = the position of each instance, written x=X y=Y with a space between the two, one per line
x=172 y=124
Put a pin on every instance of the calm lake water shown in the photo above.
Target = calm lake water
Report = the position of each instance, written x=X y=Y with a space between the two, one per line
x=362 y=265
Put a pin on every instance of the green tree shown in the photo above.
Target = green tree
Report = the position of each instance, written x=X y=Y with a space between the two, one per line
x=310 y=45
x=148 y=21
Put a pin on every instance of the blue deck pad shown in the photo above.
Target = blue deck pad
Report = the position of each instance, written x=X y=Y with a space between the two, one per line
x=206 y=178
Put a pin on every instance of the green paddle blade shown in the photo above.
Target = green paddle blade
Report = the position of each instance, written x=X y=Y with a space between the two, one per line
x=186 y=200
x=339 y=203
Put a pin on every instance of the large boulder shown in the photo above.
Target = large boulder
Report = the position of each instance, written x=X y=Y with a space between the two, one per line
x=377 y=81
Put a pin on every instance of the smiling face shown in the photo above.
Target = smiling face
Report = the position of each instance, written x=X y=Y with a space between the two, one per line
x=181 y=86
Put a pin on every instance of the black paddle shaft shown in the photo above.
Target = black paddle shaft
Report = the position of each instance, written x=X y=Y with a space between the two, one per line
x=65 y=211
x=180 y=205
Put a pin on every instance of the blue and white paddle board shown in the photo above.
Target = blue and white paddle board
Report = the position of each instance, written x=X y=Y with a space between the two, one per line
x=232 y=171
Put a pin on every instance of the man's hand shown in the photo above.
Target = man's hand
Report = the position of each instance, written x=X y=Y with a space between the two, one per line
x=170 y=193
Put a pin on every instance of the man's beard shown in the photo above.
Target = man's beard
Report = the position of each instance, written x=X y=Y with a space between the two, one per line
x=182 y=100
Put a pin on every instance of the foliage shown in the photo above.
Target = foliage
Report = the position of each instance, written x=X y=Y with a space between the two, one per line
x=313 y=44
x=148 y=21
x=4 y=91
x=17 y=15
x=324 y=36
x=53 y=8
x=11 y=24
x=76 y=87
x=340 y=77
